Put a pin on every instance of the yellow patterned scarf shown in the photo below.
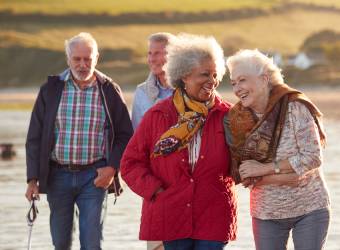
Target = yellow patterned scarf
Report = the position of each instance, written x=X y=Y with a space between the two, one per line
x=191 y=117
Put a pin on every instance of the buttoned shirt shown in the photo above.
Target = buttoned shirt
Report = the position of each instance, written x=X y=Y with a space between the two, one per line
x=79 y=125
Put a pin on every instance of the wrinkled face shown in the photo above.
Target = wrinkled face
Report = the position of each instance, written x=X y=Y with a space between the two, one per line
x=201 y=83
x=251 y=89
x=82 y=61
x=156 y=57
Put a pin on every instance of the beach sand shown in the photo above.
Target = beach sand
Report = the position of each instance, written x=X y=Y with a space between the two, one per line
x=122 y=220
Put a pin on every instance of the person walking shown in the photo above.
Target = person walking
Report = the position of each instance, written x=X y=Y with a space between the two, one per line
x=78 y=131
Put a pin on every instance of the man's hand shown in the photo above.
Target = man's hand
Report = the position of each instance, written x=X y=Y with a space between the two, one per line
x=104 y=177
x=32 y=190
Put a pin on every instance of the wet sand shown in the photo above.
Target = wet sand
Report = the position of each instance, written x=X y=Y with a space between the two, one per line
x=122 y=220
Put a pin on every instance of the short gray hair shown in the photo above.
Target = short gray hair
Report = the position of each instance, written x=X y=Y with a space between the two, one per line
x=256 y=62
x=188 y=52
x=161 y=37
x=82 y=37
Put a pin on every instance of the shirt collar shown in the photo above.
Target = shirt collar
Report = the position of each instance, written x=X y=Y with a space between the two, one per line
x=160 y=86
x=68 y=78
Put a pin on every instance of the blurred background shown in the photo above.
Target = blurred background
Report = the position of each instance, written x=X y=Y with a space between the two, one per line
x=302 y=36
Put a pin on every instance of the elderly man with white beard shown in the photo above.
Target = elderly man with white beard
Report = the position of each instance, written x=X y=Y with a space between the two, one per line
x=78 y=131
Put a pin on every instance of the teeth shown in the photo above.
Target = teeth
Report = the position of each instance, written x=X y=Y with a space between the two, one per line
x=243 y=95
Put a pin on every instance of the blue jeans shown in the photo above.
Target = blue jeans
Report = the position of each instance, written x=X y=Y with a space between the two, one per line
x=309 y=231
x=192 y=244
x=66 y=189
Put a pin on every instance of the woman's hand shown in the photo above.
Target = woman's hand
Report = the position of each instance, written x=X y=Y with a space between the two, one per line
x=250 y=182
x=252 y=168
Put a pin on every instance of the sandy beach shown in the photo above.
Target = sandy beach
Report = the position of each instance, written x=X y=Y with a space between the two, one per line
x=122 y=219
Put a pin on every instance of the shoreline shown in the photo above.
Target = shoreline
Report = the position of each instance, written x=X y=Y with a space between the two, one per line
x=326 y=98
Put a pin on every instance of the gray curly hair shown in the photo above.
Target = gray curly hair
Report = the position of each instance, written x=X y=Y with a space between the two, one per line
x=257 y=63
x=187 y=53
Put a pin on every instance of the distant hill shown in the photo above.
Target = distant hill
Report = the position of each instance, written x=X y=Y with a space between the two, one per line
x=32 y=32
x=110 y=7
x=326 y=42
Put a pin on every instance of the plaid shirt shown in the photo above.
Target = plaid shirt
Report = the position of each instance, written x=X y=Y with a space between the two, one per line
x=79 y=125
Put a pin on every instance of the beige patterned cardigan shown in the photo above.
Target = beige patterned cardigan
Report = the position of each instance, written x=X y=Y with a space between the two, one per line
x=300 y=144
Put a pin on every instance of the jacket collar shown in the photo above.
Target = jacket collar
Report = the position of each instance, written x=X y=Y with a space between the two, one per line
x=150 y=87
x=101 y=77
x=163 y=106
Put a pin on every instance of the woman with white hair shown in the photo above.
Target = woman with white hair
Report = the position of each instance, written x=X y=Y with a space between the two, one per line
x=275 y=135
x=178 y=160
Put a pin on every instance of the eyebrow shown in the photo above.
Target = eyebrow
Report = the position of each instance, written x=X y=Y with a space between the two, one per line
x=240 y=76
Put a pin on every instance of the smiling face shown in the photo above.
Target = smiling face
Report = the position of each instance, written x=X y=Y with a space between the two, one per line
x=82 y=62
x=201 y=83
x=157 y=57
x=251 y=89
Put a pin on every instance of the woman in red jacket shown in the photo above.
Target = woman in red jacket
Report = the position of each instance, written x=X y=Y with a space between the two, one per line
x=178 y=160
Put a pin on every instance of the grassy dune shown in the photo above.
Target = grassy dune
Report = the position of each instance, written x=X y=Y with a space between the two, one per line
x=332 y=3
x=284 y=32
x=29 y=50
x=115 y=7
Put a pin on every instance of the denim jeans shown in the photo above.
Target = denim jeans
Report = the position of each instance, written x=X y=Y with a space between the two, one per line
x=309 y=231
x=192 y=244
x=66 y=189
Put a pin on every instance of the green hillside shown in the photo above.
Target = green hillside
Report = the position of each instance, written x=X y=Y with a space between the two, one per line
x=115 y=7
x=31 y=44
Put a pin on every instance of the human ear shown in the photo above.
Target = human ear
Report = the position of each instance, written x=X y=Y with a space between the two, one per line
x=265 y=78
x=184 y=81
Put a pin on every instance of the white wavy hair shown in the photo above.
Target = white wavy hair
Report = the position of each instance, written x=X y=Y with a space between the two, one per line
x=257 y=63
x=82 y=37
x=188 y=52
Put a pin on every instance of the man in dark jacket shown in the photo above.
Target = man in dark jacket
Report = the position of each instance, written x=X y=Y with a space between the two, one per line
x=78 y=131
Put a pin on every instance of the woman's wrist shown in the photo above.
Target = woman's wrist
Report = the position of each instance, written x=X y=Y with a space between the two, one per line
x=269 y=168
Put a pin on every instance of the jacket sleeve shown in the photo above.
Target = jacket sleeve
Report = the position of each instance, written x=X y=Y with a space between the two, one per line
x=136 y=164
x=121 y=125
x=33 y=140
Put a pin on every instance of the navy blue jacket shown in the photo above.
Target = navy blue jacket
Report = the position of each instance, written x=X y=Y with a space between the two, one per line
x=40 y=138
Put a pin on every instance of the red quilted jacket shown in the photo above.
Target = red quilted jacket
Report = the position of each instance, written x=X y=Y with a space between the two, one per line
x=198 y=205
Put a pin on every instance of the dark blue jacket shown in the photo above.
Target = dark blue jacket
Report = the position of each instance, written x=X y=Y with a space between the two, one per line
x=40 y=138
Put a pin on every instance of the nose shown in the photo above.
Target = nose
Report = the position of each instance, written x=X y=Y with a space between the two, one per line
x=82 y=63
